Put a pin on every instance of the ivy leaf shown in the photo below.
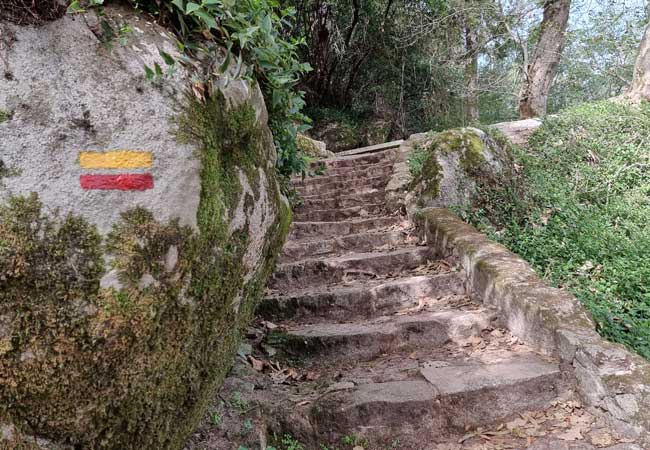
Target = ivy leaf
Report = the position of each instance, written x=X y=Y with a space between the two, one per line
x=179 y=4
x=148 y=73
x=74 y=7
x=192 y=7
x=167 y=58
x=207 y=19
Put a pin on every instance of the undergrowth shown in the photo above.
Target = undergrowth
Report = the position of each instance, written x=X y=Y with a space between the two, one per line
x=582 y=218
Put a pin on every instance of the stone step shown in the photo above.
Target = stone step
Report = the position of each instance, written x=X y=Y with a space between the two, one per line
x=363 y=300
x=360 y=169
x=347 y=186
x=341 y=201
x=356 y=160
x=362 y=242
x=337 y=194
x=339 y=214
x=444 y=401
x=372 y=148
x=365 y=172
x=329 y=271
x=325 y=230
x=366 y=340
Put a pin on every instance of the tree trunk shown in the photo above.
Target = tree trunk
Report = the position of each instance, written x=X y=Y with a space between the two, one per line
x=541 y=72
x=471 y=74
x=640 y=87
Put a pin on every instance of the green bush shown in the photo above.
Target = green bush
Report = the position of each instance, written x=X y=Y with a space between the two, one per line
x=582 y=219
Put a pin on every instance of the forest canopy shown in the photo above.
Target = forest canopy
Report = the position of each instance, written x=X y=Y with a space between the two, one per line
x=422 y=65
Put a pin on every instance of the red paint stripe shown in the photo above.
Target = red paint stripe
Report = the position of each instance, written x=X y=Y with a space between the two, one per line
x=124 y=182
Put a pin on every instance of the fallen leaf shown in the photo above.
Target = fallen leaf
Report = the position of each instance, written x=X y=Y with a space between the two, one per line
x=257 y=364
x=572 y=434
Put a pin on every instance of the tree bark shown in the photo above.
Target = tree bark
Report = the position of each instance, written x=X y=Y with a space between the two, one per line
x=640 y=87
x=541 y=72
x=471 y=74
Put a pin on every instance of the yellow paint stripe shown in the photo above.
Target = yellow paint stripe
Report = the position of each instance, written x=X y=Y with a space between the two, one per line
x=120 y=159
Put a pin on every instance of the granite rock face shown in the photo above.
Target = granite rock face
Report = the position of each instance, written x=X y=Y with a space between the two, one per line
x=138 y=226
x=444 y=169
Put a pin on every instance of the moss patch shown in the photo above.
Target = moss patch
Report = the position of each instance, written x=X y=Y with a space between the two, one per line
x=134 y=368
x=466 y=142
x=4 y=115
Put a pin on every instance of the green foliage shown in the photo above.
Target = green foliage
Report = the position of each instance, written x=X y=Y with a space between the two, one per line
x=416 y=160
x=582 y=219
x=253 y=30
x=290 y=443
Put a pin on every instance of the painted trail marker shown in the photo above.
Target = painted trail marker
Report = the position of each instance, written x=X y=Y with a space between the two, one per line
x=116 y=160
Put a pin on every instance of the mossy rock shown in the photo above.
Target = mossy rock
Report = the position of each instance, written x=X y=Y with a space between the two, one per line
x=376 y=131
x=454 y=163
x=312 y=147
x=338 y=136
x=121 y=310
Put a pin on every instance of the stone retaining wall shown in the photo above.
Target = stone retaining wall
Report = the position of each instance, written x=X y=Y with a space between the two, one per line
x=608 y=376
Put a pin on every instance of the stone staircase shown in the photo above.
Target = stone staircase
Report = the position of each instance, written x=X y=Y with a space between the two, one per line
x=369 y=340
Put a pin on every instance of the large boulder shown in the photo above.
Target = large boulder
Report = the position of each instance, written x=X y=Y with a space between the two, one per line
x=338 y=136
x=139 y=222
x=445 y=169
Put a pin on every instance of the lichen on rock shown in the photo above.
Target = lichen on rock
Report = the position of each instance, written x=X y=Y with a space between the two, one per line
x=312 y=147
x=116 y=330
x=454 y=163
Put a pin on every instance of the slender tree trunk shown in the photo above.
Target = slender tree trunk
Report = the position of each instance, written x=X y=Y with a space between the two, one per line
x=471 y=74
x=541 y=72
x=640 y=87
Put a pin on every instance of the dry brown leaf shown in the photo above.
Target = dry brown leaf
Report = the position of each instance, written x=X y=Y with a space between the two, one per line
x=572 y=434
x=257 y=364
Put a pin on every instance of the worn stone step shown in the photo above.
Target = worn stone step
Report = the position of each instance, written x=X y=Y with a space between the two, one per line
x=347 y=186
x=363 y=300
x=339 y=214
x=445 y=401
x=356 y=160
x=365 y=340
x=320 y=272
x=325 y=230
x=362 y=168
x=337 y=194
x=362 y=242
x=344 y=200
x=365 y=172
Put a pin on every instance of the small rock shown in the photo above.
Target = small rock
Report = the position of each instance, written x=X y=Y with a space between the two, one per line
x=171 y=258
x=270 y=351
x=245 y=349
x=147 y=281
x=111 y=280
x=341 y=386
